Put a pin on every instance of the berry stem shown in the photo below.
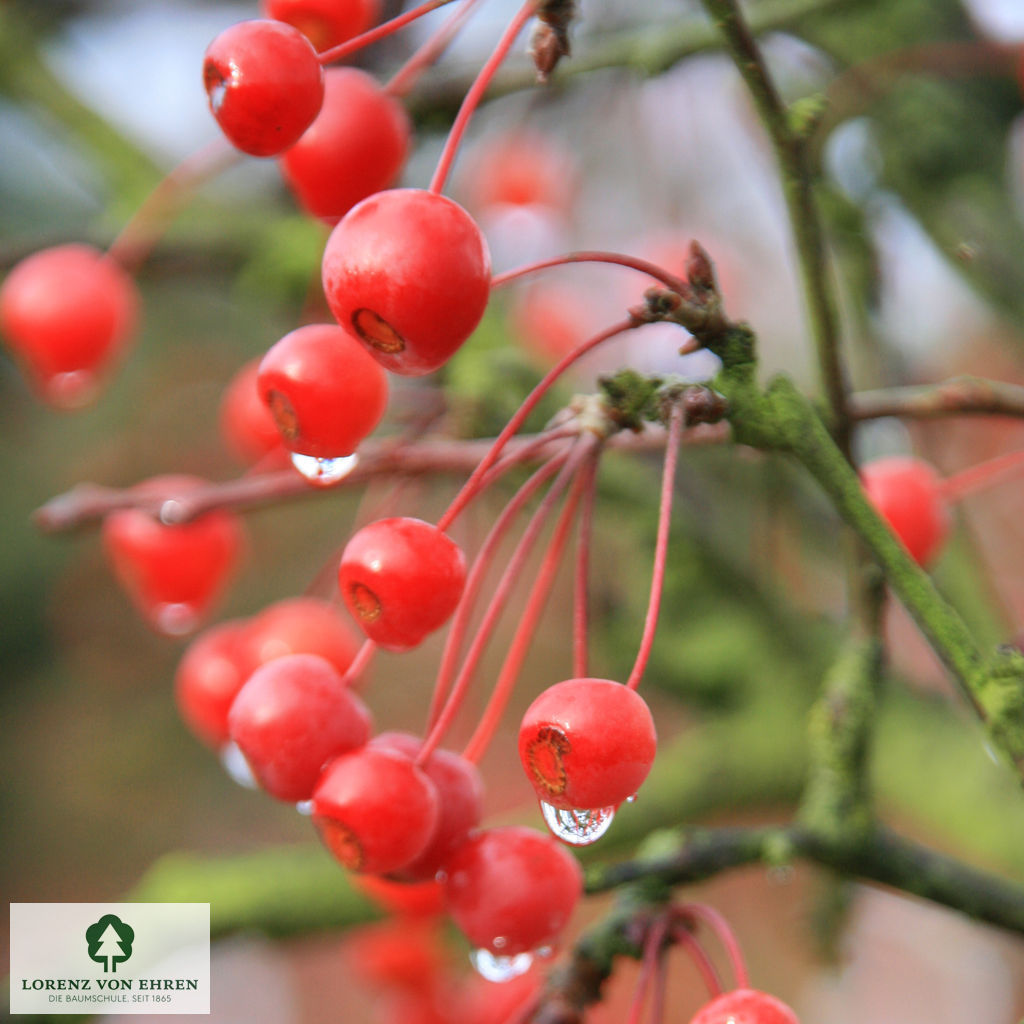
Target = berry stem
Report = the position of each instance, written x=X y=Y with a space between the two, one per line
x=360 y=663
x=472 y=485
x=704 y=964
x=581 y=583
x=460 y=623
x=142 y=230
x=974 y=478
x=652 y=958
x=356 y=43
x=675 y=433
x=718 y=924
x=595 y=256
x=403 y=80
x=475 y=94
x=513 y=571
x=539 y=593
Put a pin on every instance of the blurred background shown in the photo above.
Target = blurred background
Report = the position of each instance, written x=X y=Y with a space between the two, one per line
x=922 y=141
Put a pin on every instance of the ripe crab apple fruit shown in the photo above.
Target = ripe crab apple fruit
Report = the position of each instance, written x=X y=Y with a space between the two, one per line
x=67 y=313
x=173 y=573
x=512 y=889
x=745 y=1006
x=408 y=273
x=264 y=83
x=587 y=743
x=323 y=390
x=907 y=492
x=325 y=23
x=246 y=424
x=356 y=146
x=401 y=579
x=292 y=716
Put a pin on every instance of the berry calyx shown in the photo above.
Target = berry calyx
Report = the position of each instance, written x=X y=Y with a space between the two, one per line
x=587 y=744
x=325 y=23
x=908 y=494
x=173 y=573
x=408 y=273
x=401 y=578
x=512 y=889
x=264 y=83
x=246 y=424
x=67 y=313
x=745 y=1006
x=375 y=810
x=357 y=146
x=323 y=391
x=212 y=671
x=291 y=717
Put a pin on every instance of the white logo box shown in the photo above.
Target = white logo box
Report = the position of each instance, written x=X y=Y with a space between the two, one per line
x=110 y=958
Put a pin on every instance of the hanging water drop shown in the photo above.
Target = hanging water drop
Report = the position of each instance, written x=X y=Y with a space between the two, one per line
x=304 y=807
x=174 y=618
x=631 y=799
x=578 y=827
x=324 y=472
x=70 y=390
x=235 y=764
x=500 y=968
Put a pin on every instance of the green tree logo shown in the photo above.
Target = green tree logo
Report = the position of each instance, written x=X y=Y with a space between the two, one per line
x=110 y=942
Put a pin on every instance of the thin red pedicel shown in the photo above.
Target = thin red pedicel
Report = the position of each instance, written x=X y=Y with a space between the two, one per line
x=475 y=94
x=524 y=635
x=984 y=474
x=651 y=962
x=718 y=924
x=356 y=43
x=675 y=433
x=594 y=256
x=581 y=582
x=681 y=934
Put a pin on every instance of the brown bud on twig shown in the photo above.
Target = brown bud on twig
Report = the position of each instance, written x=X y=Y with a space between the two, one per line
x=550 y=40
x=700 y=271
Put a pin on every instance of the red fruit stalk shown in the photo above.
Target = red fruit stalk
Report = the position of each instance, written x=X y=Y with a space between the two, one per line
x=581 y=579
x=336 y=53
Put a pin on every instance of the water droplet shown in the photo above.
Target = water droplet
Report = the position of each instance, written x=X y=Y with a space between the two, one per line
x=578 y=827
x=235 y=764
x=500 y=968
x=175 y=618
x=304 y=807
x=544 y=952
x=631 y=799
x=324 y=472
x=70 y=390
x=500 y=942
x=171 y=512
x=217 y=94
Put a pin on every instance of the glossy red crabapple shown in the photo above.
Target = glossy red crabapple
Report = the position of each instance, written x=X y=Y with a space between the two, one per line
x=745 y=1006
x=460 y=791
x=303 y=625
x=587 y=743
x=512 y=889
x=211 y=672
x=67 y=313
x=325 y=23
x=401 y=579
x=375 y=810
x=264 y=83
x=173 y=573
x=246 y=424
x=323 y=390
x=408 y=273
x=907 y=492
x=293 y=715
x=356 y=146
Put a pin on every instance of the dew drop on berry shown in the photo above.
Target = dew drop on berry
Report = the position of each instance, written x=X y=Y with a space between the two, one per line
x=175 y=618
x=499 y=968
x=577 y=827
x=324 y=472
x=171 y=512
x=304 y=807
x=234 y=763
x=70 y=390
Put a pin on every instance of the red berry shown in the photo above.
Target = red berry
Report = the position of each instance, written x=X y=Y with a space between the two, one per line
x=246 y=424
x=303 y=625
x=212 y=671
x=512 y=889
x=375 y=810
x=587 y=743
x=408 y=273
x=401 y=579
x=745 y=1006
x=67 y=313
x=356 y=146
x=174 y=573
x=291 y=717
x=324 y=392
x=325 y=23
x=403 y=954
x=407 y=899
x=460 y=791
x=907 y=492
x=265 y=85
